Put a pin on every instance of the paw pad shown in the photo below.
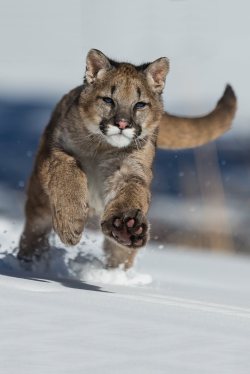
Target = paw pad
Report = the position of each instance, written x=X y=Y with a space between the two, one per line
x=128 y=228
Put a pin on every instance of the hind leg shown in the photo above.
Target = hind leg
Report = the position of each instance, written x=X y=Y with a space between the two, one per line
x=34 y=240
x=118 y=255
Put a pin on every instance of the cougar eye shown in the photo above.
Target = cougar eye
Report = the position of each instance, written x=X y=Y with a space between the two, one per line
x=140 y=105
x=108 y=100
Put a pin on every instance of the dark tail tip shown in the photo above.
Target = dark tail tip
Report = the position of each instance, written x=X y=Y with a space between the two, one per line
x=228 y=98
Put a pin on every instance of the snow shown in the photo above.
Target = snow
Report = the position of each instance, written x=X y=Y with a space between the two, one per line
x=176 y=311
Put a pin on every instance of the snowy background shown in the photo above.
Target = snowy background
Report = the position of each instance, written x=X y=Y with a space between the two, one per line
x=182 y=309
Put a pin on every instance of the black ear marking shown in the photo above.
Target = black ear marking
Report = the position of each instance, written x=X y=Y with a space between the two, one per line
x=139 y=93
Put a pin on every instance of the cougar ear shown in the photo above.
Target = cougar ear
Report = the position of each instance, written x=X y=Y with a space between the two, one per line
x=96 y=65
x=156 y=73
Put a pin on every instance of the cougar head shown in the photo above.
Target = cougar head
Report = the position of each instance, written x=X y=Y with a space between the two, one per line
x=122 y=102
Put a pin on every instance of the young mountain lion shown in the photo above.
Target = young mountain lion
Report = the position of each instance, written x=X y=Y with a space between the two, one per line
x=97 y=152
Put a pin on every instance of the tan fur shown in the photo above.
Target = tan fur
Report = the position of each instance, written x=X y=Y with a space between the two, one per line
x=183 y=132
x=86 y=160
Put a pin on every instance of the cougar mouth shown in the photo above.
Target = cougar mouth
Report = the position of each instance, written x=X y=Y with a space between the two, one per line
x=119 y=137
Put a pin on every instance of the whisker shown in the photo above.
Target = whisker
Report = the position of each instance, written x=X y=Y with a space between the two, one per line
x=136 y=144
x=100 y=141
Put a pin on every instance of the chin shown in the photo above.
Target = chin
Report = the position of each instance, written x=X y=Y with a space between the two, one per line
x=118 y=140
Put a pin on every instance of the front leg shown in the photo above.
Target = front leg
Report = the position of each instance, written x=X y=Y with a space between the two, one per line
x=124 y=221
x=66 y=187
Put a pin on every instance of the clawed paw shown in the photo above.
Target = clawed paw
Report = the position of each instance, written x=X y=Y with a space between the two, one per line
x=68 y=222
x=69 y=231
x=128 y=228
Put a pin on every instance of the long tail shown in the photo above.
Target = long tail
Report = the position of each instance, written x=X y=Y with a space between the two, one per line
x=186 y=132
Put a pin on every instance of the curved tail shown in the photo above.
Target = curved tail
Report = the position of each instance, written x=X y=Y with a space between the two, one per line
x=186 y=132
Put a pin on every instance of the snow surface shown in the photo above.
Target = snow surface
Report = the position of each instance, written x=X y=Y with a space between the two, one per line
x=175 y=312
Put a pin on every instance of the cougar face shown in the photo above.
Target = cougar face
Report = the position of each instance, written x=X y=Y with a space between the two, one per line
x=121 y=104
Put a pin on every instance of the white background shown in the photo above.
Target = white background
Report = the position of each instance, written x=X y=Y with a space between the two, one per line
x=44 y=44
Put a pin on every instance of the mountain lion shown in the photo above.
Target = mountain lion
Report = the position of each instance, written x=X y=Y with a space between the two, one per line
x=97 y=152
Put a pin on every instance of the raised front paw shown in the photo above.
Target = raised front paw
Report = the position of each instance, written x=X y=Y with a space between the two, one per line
x=129 y=228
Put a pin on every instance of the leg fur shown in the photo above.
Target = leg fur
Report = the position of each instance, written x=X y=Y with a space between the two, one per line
x=57 y=196
x=34 y=240
x=117 y=255
x=124 y=222
x=66 y=185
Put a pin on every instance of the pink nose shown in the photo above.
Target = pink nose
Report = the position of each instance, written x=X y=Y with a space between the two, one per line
x=122 y=124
